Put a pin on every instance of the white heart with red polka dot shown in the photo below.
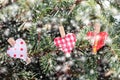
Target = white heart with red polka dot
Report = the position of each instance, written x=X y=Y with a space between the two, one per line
x=19 y=50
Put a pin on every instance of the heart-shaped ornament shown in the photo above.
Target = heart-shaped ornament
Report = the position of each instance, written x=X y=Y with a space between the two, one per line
x=66 y=43
x=19 y=50
x=97 y=40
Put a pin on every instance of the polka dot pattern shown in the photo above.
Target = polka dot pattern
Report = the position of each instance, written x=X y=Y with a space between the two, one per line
x=19 y=50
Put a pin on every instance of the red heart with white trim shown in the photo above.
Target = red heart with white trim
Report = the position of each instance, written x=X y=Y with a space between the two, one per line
x=97 y=40
x=66 y=44
x=19 y=50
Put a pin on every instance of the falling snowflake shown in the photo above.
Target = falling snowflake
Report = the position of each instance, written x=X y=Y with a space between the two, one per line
x=58 y=68
x=38 y=30
x=3 y=70
x=92 y=71
x=7 y=32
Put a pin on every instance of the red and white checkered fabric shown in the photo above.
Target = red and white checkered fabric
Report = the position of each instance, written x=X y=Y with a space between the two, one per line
x=67 y=43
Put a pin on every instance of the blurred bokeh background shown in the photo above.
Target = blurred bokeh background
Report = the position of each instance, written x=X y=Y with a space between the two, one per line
x=37 y=22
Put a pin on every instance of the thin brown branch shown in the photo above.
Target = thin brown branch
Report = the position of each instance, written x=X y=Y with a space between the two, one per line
x=74 y=5
x=109 y=73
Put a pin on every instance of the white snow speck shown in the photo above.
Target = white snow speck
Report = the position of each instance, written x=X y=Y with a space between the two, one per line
x=7 y=31
x=108 y=40
x=67 y=55
x=27 y=25
x=91 y=71
x=58 y=68
x=83 y=59
x=119 y=76
x=38 y=30
x=61 y=58
x=3 y=69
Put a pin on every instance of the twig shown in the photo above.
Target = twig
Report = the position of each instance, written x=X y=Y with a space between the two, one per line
x=74 y=5
x=109 y=73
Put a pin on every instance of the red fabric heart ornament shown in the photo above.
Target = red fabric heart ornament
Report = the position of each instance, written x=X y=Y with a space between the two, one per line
x=66 y=44
x=97 y=40
x=19 y=50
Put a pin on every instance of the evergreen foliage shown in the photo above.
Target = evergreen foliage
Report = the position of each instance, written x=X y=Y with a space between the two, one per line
x=37 y=22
